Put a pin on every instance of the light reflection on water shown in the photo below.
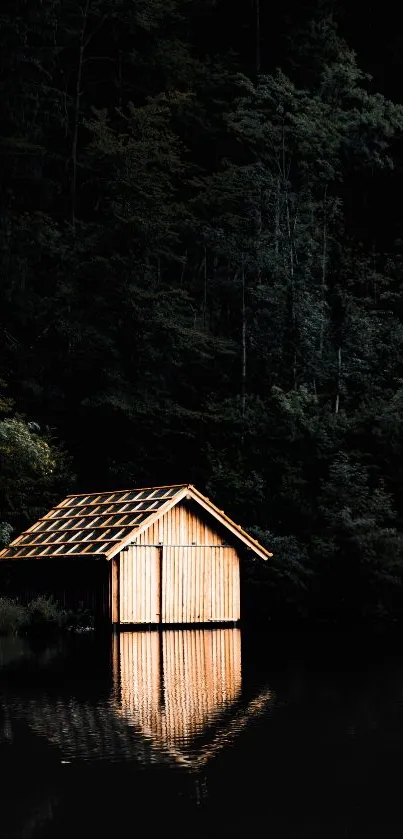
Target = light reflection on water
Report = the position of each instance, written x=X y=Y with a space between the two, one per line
x=176 y=698
x=186 y=733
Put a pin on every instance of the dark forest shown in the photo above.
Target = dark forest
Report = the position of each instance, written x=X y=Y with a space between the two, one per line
x=201 y=269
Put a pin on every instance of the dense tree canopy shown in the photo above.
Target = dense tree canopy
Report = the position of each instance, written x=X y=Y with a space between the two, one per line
x=198 y=282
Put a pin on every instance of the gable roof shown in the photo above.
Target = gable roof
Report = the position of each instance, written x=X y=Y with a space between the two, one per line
x=101 y=524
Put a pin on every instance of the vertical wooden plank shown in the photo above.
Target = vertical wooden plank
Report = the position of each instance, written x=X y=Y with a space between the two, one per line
x=217 y=553
x=237 y=589
x=186 y=586
x=189 y=538
x=157 y=585
x=143 y=593
x=174 y=561
x=132 y=586
x=203 y=584
x=146 y=572
x=169 y=535
x=165 y=578
x=194 y=574
x=180 y=568
x=225 y=572
x=178 y=552
x=196 y=607
x=129 y=583
x=228 y=572
x=222 y=575
x=179 y=615
x=215 y=583
x=142 y=598
x=173 y=582
x=231 y=585
x=136 y=612
x=202 y=574
x=126 y=585
x=209 y=599
x=145 y=614
x=114 y=573
x=164 y=584
x=170 y=580
x=221 y=587
x=122 y=587
x=191 y=577
x=226 y=561
x=140 y=560
x=151 y=584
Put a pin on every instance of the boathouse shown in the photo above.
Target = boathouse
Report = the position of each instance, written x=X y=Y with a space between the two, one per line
x=157 y=555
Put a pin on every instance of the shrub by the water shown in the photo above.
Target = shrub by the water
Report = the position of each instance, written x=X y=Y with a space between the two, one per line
x=12 y=616
x=42 y=616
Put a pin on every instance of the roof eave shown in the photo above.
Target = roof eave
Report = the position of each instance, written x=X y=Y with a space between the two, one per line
x=248 y=540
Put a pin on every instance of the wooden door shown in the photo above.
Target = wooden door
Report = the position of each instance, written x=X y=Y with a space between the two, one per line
x=200 y=584
x=139 y=585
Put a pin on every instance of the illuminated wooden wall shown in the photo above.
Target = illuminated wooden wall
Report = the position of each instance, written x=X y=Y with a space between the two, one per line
x=179 y=572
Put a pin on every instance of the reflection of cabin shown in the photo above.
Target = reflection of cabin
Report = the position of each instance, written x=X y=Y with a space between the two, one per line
x=162 y=555
x=176 y=685
x=176 y=700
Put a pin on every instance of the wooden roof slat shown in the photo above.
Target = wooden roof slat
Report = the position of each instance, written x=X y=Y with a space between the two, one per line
x=82 y=525
x=125 y=491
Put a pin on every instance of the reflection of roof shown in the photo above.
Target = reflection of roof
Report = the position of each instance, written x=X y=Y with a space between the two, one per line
x=86 y=731
x=101 y=524
x=176 y=700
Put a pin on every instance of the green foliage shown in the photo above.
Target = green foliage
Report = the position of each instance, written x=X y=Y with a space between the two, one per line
x=12 y=617
x=33 y=471
x=42 y=616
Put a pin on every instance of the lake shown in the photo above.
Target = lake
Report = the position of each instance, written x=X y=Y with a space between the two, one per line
x=202 y=732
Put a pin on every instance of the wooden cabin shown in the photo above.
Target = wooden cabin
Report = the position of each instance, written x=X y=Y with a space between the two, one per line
x=151 y=556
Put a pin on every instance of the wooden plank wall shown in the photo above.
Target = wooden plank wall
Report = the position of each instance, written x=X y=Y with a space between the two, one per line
x=200 y=584
x=182 y=525
x=139 y=585
x=173 y=690
x=187 y=583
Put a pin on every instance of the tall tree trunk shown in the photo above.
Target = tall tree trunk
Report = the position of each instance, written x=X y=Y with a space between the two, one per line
x=257 y=37
x=277 y=220
x=324 y=272
x=76 y=117
x=337 y=404
x=83 y=44
x=120 y=80
x=205 y=290
x=243 y=362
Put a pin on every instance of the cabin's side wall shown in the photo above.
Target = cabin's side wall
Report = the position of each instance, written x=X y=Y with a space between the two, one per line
x=179 y=571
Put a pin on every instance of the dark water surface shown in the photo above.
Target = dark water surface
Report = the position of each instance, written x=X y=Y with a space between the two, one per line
x=196 y=733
